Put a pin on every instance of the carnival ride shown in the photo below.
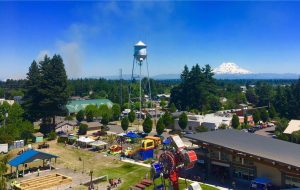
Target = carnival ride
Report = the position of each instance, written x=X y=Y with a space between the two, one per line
x=145 y=151
x=173 y=160
x=115 y=149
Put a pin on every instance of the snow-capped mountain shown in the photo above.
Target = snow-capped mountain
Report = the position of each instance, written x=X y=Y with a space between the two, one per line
x=230 y=68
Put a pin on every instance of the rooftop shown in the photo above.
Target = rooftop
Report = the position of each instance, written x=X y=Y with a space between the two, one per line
x=30 y=156
x=264 y=147
x=294 y=125
x=75 y=106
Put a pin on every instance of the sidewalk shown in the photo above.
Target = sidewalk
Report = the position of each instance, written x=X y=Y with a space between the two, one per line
x=148 y=166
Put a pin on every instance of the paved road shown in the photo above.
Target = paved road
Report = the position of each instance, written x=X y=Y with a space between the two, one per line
x=267 y=132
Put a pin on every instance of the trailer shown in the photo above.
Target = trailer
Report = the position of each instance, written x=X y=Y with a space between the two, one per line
x=3 y=148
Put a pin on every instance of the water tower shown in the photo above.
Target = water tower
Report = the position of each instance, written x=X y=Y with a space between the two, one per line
x=139 y=58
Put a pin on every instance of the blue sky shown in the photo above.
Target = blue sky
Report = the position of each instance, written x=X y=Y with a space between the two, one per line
x=97 y=38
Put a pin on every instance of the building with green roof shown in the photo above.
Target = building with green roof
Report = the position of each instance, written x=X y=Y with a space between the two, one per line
x=74 y=106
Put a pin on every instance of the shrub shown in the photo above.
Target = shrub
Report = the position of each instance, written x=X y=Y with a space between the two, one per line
x=82 y=129
x=52 y=136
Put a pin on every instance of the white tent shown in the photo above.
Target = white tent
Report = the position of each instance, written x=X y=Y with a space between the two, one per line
x=98 y=144
x=84 y=141
x=121 y=134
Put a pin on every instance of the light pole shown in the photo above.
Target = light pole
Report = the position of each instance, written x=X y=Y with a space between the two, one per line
x=91 y=186
x=81 y=159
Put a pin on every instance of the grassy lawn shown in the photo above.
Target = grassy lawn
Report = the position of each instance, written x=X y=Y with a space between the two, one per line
x=182 y=185
x=130 y=174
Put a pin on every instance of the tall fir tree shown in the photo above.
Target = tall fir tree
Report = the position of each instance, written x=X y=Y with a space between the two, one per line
x=32 y=97
x=54 y=88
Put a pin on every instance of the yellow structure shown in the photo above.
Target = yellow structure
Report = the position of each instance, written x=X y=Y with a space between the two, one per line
x=147 y=144
x=157 y=140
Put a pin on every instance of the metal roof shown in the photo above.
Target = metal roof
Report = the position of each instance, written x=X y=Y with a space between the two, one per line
x=264 y=147
x=30 y=156
x=75 y=106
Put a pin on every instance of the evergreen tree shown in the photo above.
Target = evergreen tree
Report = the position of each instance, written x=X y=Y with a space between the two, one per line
x=90 y=112
x=196 y=86
x=160 y=126
x=147 y=125
x=131 y=116
x=116 y=111
x=251 y=96
x=235 y=122
x=105 y=119
x=256 y=116
x=82 y=129
x=104 y=109
x=272 y=112
x=183 y=121
x=32 y=97
x=264 y=115
x=125 y=123
x=167 y=119
x=15 y=114
x=26 y=130
x=172 y=108
x=80 y=116
x=53 y=87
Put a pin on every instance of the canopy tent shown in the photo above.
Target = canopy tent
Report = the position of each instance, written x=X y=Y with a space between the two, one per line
x=132 y=135
x=85 y=140
x=30 y=156
x=98 y=144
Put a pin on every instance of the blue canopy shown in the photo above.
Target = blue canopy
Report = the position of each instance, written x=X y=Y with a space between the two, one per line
x=262 y=180
x=167 y=141
x=30 y=156
x=132 y=135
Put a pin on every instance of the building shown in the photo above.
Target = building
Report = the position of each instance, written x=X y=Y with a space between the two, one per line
x=245 y=156
x=294 y=125
x=38 y=137
x=74 y=106
x=243 y=88
x=211 y=121
x=249 y=120
x=65 y=127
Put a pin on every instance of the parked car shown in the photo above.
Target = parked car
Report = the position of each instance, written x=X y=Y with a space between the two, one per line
x=261 y=183
x=245 y=130
x=43 y=145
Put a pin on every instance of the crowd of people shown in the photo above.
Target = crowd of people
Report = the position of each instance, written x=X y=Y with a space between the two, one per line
x=113 y=183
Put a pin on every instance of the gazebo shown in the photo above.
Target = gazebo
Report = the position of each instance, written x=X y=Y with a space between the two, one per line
x=28 y=157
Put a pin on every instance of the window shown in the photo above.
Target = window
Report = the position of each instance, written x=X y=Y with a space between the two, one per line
x=149 y=144
x=292 y=181
x=243 y=173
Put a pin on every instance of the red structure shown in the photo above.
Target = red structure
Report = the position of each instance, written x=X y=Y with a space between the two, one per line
x=173 y=160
